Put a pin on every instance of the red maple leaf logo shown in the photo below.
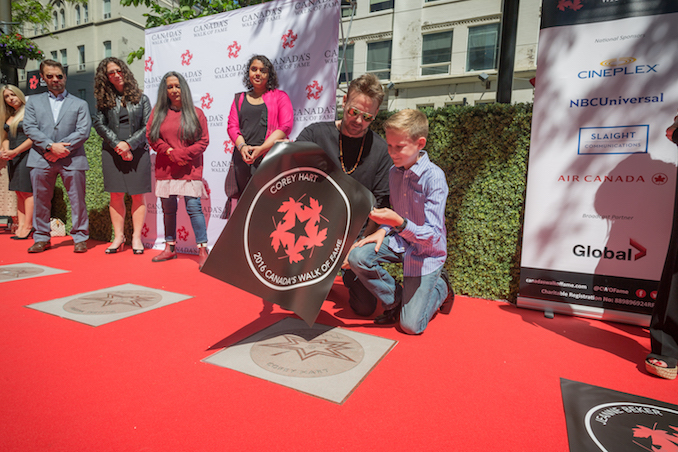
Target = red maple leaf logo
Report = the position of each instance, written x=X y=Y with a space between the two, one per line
x=34 y=82
x=206 y=101
x=148 y=64
x=297 y=216
x=313 y=90
x=234 y=50
x=145 y=230
x=183 y=233
x=228 y=147
x=288 y=39
x=661 y=439
x=186 y=58
x=574 y=5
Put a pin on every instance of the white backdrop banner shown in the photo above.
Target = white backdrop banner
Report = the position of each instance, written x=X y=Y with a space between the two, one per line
x=301 y=40
x=601 y=173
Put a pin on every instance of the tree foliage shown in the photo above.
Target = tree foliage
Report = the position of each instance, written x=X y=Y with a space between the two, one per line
x=180 y=11
x=34 y=12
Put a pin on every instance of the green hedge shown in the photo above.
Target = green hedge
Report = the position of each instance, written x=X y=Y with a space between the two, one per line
x=483 y=151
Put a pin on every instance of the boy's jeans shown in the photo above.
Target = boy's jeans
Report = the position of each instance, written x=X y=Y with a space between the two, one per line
x=421 y=295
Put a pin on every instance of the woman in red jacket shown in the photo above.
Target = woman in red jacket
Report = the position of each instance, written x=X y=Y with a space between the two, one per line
x=177 y=131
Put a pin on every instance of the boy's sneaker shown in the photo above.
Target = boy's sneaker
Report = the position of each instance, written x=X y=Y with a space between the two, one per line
x=446 y=307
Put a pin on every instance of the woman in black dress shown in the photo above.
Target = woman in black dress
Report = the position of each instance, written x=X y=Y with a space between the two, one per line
x=15 y=147
x=120 y=120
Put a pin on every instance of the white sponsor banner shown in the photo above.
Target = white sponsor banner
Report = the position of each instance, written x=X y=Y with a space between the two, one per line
x=602 y=174
x=301 y=40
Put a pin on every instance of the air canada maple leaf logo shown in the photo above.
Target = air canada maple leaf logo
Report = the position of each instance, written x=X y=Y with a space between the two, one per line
x=299 y=228
x=574 y=5
x=148 y=64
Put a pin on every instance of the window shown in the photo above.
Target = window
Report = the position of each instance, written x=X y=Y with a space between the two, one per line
x=483 y=47
x=64 y=57
x=81 y=58
x=62 y=15
x=379 y=59
x=107 y=9
x=55 y=20
x=54 y=55
x=22 y=75
x=78 y=17
x=380 y=5
x=85 y=12
x=107 y=49
x=346 y=8
x=347 y=65
x=436 y=53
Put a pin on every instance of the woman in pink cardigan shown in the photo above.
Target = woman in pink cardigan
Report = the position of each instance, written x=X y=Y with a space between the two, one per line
x=259 y=117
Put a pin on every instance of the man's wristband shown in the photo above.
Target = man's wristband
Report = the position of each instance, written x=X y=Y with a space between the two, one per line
x=400 y=228
x=48 y=148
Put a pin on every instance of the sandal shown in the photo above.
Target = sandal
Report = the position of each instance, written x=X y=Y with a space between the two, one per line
x=661 y=366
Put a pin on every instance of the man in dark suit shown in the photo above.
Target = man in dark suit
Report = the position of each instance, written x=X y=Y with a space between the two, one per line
x=59 y=124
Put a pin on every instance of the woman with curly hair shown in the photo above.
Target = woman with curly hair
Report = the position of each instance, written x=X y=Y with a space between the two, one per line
x=177 y=131
x=121 y=118
x=259 y=117
x=15 y=147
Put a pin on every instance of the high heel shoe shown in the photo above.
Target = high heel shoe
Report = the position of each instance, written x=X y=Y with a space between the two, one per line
x=136 y=251
x=119 y=248
x=30 y=233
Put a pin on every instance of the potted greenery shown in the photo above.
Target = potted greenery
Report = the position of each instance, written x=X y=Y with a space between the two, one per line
x=17 y=50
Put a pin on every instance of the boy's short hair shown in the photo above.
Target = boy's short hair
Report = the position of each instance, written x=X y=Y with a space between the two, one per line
x=414 y=122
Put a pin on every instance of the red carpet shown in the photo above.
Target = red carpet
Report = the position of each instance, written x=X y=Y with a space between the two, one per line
x=484 y=378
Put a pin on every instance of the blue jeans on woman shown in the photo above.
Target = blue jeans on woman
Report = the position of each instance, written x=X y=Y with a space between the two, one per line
x=194 y=209
x=420 y=297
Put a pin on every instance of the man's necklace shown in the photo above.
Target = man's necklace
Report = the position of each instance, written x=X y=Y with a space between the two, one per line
x=341 y=154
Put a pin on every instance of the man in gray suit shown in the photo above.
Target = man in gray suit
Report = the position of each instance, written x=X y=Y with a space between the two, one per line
x=59 y=124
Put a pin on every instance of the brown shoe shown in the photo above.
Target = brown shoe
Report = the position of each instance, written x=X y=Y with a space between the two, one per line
x=167 y=254
x=80 y=247
x=202 y=256
x=39 y=247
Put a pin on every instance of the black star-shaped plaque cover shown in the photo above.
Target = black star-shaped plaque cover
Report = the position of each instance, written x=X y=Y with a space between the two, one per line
x=291 y=229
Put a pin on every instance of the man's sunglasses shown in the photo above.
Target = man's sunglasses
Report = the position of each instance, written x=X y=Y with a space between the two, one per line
x=51 y=76
x=352 y=111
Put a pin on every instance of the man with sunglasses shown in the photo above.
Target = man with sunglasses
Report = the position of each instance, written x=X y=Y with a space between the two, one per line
x=363 y=155
x=59 y=124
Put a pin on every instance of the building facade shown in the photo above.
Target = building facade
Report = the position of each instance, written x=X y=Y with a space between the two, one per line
x=428 y=53
x=433 y=53
x=80 y=36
